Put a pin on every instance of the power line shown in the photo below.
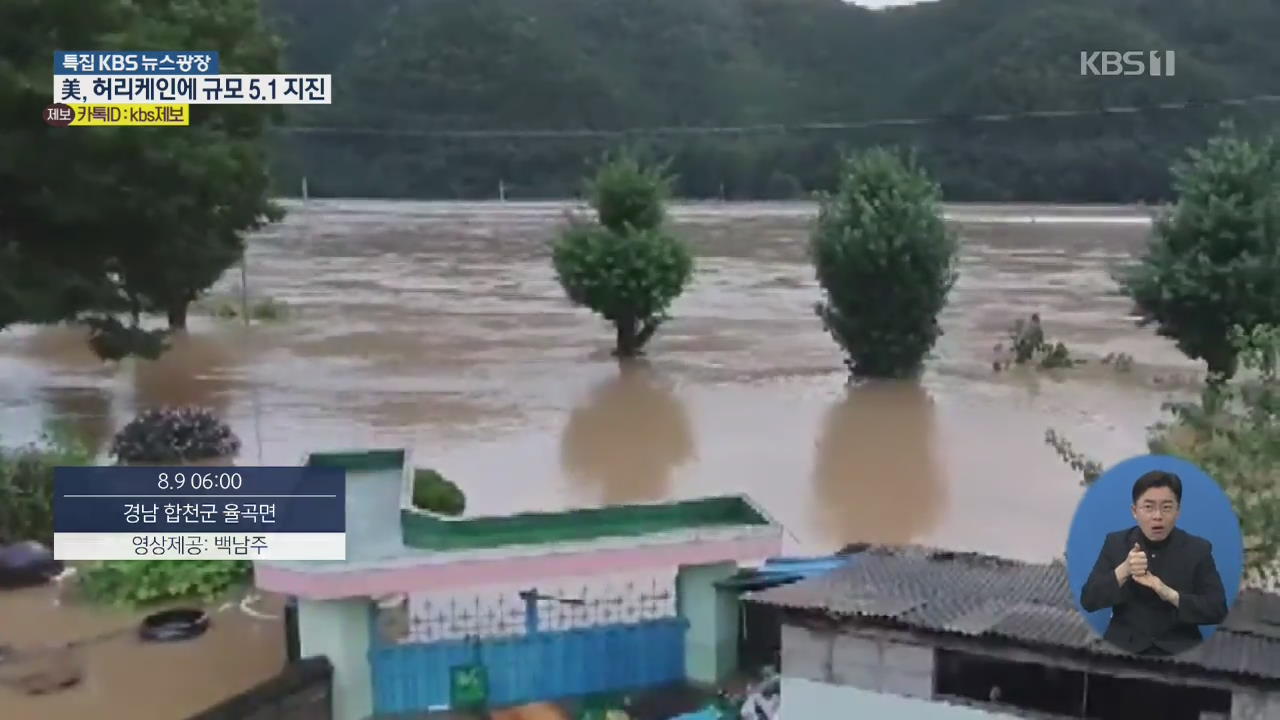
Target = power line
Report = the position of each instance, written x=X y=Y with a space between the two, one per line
x=778 y=128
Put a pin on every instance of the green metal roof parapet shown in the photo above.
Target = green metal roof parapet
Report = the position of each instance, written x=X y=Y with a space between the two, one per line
x=425 y=530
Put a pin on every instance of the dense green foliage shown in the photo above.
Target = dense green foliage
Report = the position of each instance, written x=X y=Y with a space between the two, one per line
x=886 y=263
x=26 y=486
x=144 y=582
x=1214 y=259
x=475 y=65
x=125 y=220
x=1230 y=432
x=431 y=491
x=627 y=266
x=174 y=435
x=629 y=196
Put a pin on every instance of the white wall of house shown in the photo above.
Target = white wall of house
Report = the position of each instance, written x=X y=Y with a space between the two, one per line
x=824 y=670
x=866 y=663
x=1255 y=706
x=809 y=700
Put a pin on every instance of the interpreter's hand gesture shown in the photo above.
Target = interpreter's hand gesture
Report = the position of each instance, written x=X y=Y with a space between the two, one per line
x=1134 y=565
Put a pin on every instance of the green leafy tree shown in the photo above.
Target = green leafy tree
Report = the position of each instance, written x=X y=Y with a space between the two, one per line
x=210 y=181
x=1214 y=258
x=627 y=266
x=54 y=260
x=886 y=263
x=105 y=221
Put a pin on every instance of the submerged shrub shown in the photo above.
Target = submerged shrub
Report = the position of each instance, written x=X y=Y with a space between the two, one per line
x=175 y=435
x=144 y=582
x=1028 y=346
x=112 y=340
x=886 y=263
x=627 y=266
x=431 y=491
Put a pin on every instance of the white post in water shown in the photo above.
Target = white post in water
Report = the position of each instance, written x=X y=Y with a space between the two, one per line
x=502 y=190
x=244 y=286
x=304 y=187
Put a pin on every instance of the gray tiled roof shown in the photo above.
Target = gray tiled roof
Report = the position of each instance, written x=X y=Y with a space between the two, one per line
x=985 y=596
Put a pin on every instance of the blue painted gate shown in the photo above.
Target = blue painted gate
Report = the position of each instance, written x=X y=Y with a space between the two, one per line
x=540 y=648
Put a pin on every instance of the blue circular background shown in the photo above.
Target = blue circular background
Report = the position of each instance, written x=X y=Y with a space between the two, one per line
x=1105 y=508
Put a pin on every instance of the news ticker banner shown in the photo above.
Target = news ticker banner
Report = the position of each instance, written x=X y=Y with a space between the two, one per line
x=158 y=88
x=192 y=89
x=198 y=513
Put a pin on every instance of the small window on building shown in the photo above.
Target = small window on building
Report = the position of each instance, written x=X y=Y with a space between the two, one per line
x=1055 y=691
x=1003 y=682
x=1113 y=698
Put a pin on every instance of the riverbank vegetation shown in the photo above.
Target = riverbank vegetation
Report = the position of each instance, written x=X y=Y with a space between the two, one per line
x=886 y=262
x=626 y=265
x=26 y=485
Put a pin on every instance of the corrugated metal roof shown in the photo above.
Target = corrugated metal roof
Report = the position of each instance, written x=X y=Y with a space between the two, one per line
x=980 y=595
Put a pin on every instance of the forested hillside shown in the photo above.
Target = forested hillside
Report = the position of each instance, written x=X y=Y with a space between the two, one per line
x=404 y=69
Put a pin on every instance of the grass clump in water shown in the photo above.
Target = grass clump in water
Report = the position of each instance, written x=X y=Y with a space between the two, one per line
x=264 y=310
x=1027 y=345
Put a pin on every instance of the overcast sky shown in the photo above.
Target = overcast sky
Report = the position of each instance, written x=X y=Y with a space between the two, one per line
x=883 y=3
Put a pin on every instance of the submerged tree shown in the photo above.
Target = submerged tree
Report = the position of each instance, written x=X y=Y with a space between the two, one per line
x=1214 y=259
x=627 y=266
x=886 y=263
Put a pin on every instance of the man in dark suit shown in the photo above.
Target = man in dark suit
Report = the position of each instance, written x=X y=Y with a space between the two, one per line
x=1160 y=582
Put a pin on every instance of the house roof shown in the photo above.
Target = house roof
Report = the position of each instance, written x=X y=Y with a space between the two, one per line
x=985 y=596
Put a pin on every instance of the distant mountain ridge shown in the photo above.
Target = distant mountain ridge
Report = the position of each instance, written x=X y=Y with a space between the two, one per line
x=610 y=64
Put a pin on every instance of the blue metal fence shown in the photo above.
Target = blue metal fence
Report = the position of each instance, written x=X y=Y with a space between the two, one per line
x=414 y=677
x=532 y=646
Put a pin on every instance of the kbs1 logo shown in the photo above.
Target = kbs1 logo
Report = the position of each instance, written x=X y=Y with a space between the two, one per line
x=1154 y=63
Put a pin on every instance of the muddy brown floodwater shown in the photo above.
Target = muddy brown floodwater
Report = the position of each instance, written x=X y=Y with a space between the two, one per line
x=440 y=326
x=124 y=678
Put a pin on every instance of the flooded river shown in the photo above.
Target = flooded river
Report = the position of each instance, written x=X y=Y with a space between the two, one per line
x=441 y=327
